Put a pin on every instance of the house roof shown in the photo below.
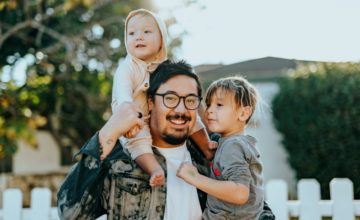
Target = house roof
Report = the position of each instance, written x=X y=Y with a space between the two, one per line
x=206 y=67
x=266 y=68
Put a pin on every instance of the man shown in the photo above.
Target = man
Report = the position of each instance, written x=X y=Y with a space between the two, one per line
x=116 y=186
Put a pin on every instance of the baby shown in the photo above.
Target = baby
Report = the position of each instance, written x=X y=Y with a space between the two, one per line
x=145 y=42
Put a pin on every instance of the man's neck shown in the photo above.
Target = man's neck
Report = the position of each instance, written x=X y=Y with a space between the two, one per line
x=164 y=144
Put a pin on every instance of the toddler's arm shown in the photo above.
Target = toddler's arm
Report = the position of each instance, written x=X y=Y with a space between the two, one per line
x=227 y=191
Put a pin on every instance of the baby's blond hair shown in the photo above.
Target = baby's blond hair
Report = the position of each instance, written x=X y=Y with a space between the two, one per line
x=244 y=93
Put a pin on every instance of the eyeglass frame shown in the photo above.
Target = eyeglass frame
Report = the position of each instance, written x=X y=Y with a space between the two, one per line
x=180 y=97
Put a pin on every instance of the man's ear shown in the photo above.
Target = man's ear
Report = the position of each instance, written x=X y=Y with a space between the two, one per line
x=150 y=103
x=244 y=113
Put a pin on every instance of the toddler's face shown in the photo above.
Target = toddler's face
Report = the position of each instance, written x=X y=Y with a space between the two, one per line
x=221 y=115
x=143 y=37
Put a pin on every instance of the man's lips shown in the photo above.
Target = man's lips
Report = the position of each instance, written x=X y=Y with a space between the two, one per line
x=178 y=119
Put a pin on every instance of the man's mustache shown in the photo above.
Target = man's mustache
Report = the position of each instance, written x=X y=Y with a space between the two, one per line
x=177 y=116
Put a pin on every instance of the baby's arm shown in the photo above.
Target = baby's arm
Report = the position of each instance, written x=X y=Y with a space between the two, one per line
x=119 y=123
x=122 y=86
x=227 y=191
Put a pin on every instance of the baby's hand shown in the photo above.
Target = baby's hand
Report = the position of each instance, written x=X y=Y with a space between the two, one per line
x=157 y=178
x=187 y=172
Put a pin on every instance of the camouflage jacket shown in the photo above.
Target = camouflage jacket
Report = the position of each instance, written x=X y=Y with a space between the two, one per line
x=115 y=186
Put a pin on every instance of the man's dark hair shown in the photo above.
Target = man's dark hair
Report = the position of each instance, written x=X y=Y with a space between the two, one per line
x=167 y=70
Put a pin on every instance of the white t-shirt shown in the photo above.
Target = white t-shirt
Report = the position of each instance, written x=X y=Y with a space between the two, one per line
x=182 y=201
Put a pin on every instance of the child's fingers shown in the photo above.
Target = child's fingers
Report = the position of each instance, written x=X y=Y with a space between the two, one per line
x=213 y=145
x=181 y=168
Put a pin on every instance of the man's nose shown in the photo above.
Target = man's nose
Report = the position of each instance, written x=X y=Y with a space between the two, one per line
x=181 y=106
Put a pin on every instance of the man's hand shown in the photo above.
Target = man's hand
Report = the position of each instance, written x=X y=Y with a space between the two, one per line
x=124 y=119
x=187 y=172
x=133 y=132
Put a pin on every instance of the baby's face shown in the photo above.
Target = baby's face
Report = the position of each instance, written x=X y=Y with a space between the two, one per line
x=143 y=37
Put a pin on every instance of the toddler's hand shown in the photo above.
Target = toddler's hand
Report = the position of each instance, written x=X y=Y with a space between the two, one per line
x=187 y=172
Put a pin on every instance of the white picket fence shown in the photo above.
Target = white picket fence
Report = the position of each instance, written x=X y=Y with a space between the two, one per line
x=342 y=206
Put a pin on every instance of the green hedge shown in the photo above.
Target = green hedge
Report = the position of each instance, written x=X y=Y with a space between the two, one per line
x=318 y=113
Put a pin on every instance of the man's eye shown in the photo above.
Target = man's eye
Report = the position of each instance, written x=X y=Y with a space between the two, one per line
x=131 y=33
x=170 y=98
x=191 y=101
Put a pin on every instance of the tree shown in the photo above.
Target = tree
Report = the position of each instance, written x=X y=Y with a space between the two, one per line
x=317 y=112
x=67 y=51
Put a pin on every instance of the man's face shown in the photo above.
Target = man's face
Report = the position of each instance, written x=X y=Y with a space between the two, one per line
x=171 y=127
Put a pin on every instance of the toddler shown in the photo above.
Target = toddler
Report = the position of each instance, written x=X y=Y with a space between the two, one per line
x=235 y=189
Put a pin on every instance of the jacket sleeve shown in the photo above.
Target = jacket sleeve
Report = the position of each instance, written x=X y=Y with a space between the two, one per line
x=79 y=196
x=267 y=213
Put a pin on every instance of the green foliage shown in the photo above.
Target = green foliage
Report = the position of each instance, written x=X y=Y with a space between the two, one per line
x=317 y=110
x=68 y=48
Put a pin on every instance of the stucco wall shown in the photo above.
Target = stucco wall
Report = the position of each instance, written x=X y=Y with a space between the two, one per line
x=273 y=154
x=44 y=159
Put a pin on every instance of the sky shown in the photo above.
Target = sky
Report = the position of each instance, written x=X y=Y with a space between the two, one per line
x=230 y=31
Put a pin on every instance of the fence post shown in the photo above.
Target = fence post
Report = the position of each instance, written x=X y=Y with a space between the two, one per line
x=309 y=197
x=342 y=194
x=277 y=197
x=12 y=204
x=40 y=204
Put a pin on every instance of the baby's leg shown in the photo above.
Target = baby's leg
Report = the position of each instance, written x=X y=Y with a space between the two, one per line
x=151 y=166
x=140 y=150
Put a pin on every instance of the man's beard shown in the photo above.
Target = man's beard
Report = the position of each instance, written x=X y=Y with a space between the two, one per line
x=172 y=138
x=175 y=140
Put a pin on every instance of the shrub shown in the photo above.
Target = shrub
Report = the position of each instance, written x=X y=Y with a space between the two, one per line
x=318 y=112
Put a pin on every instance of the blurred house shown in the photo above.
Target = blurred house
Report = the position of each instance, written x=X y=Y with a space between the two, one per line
x=35 y=167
